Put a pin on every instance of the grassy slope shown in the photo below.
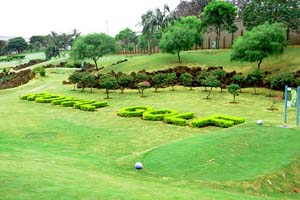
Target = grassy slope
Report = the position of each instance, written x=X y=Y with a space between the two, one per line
x=227 y=155
x=204 y=58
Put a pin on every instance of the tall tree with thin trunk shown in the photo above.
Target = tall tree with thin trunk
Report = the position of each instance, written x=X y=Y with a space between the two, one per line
x=219 y=16
x=93 y=46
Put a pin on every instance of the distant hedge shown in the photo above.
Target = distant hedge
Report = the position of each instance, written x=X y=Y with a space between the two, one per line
x=85 y=105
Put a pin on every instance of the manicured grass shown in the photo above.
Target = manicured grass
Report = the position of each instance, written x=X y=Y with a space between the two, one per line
x=241 y=153
x=289 y=61
x=50 y=152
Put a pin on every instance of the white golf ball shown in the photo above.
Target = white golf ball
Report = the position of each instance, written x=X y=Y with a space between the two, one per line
x=259 y=122
x=138 y=165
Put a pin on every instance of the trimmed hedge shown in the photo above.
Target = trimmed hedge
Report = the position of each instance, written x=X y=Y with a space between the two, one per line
x=175 y=121
x=180 y=119
x=100 y=104
x=134 y=111
x=217 y=120
x=85 y=105
x=68 y=103
x=158 y=115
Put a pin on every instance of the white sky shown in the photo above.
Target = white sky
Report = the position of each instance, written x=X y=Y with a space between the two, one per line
x=38 y=17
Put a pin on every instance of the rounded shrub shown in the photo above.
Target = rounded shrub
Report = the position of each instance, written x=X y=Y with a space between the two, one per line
x=134 y=111
x=158 y=115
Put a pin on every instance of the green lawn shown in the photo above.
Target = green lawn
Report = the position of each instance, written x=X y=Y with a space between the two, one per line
x=51 y=152
x=289 y=61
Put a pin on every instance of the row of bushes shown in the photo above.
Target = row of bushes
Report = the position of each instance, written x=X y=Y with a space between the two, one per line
x=217 y=120
x=172 y=117
x=210 y=78
x=85 y=105
x=11 y=58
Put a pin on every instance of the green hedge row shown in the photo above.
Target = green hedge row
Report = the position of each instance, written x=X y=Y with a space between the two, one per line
x=134 y=111
x=217 y=120
x=158 y=115
x=180 y=119
x=85 y=105
x=172 y=117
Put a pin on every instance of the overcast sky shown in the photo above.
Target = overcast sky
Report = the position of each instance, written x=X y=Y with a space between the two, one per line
x=38 y=17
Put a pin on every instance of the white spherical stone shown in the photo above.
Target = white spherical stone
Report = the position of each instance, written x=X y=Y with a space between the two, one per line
x=138 y=165
x=259 y=122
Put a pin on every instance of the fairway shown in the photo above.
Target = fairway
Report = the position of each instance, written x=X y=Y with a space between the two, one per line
x=51 y=152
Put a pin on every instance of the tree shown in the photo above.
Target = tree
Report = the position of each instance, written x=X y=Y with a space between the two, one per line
x=108 y=82
x=90 y=80
x=259 y=43
x=255 y=78
x=195 y=24
x=74 y=78
x=149 y=27
x=125 y=81
x=17 y=44
x=187 y=79
x=201 y=78
x=142 y=86
x=93 y=46
x=51 y=52
x=140 y=77
x=171 y=79
x=239 y=80
x=178 y=37
x=127 y=38
x=190 y=8
x=218 y=16
x=83 y=80
x=159 y=80
x=211 y=81
x=234 y=89
x=258 y=12
x=3 y=49
x=220 y=74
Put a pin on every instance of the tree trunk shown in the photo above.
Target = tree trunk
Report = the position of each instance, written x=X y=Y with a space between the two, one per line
x=156 y=88
x=95 y=61
x=74 y=86
x=122 y=90
x=142 y=91
x=233 y=98
x=254 y=90
x=172 y=88
x=218 y=38
x=107 y=91
x=149 y=47
x=209 y=93
x=91 y=90
x=178 y=56
x=259 y=62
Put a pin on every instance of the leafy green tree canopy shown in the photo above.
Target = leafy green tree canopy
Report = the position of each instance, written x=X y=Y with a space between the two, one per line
x=93 y=46
x=127 y=38
x=262 y=41
x=258 y=12
x=178 y=37
x=17 y=44
x=218 y=16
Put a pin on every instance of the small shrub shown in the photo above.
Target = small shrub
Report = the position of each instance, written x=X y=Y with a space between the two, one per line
x=158 y=115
